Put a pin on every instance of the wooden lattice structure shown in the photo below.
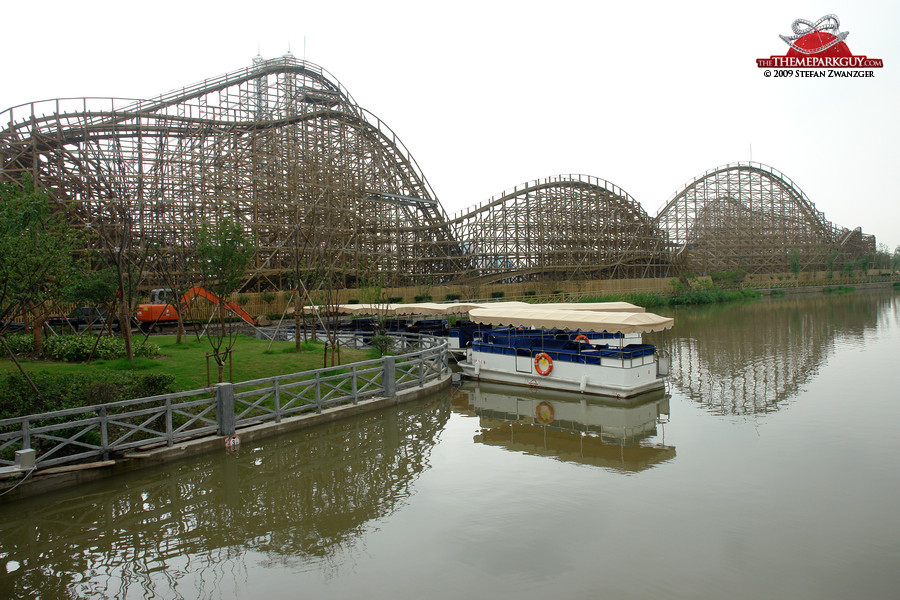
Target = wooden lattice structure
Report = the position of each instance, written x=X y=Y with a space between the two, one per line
x=751 y=216
x=561 y=228
x=317 y=181
x=280 y=147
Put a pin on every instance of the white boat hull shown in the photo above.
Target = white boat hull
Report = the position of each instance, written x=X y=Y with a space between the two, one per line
x=614 y=377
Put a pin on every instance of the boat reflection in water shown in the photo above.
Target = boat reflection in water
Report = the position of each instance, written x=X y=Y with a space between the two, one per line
x=626 y=436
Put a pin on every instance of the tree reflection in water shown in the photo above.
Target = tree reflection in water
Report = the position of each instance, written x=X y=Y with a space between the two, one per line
x=297 y=500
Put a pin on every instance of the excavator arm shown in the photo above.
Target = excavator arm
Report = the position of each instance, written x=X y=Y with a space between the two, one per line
x=202 y=292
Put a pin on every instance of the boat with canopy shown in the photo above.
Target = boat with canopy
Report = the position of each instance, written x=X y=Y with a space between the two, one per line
x=589 y=351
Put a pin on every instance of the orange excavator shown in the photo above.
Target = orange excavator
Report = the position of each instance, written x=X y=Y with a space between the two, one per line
x=162 y=311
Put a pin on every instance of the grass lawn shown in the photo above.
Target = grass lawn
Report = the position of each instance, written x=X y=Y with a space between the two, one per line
x=251 y=359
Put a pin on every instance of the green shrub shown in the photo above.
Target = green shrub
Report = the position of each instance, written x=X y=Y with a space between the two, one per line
x=702 y=293
x=382 y=343
x=59 y=391
x=65 y=391
x=497 y=294
x=731 y=276
x=395 y=299
x=20 y=343
x=423 y=298
x=75 y=348
x=452 y=297
x=530 y=293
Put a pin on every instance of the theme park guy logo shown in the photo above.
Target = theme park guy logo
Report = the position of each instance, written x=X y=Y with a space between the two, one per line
x=818 y=45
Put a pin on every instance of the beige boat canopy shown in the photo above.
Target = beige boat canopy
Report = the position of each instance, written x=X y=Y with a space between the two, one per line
x=458 y=308
x=548 y=318
x=597 y=306
x=420 y=308
x=454 y=308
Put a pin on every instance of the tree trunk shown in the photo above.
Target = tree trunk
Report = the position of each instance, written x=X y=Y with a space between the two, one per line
x=38 y=335
x=125 y=328
x=180 y=333
x=298 y=313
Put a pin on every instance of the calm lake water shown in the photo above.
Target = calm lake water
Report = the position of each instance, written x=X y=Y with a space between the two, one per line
x=769 y=470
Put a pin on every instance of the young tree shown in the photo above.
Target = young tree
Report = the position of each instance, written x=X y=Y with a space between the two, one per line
x=882 y=259
x=223 y=253
x=372 y=292
x=36 y=249
x=176 y=265
x=95 y=288
x=125 y=249
x=321 y=242
x=794 y=260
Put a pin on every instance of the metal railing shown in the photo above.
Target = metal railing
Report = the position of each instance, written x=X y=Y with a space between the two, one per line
x=102 y=430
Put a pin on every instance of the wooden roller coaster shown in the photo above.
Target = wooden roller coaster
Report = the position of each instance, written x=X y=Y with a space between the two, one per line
x=281 y=148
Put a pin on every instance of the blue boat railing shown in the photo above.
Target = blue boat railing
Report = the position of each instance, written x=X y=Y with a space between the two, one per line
x=565 y=350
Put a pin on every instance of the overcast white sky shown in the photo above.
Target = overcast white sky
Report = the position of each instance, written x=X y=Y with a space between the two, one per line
x=487 y=95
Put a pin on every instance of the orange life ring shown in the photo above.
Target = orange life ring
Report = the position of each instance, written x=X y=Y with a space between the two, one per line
x=543 y=364
x=544 y=413
x=583 y=338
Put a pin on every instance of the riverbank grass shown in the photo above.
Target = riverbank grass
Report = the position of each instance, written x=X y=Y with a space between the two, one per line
x=706 y=295
x=187 y=362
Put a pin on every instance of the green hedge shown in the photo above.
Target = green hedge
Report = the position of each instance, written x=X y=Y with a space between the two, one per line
x=77 y=348
x=59 y=391
x=708 y=294
x=731 y=276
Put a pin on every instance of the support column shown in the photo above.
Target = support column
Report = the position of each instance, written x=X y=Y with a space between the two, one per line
x=225 y=408
x=389 y=377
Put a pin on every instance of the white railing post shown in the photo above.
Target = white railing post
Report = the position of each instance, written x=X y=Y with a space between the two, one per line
x=276 y=393
x=389 y=377
x=225 y=408
x=170 y=436
x=318 y=394
x=104 y=432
